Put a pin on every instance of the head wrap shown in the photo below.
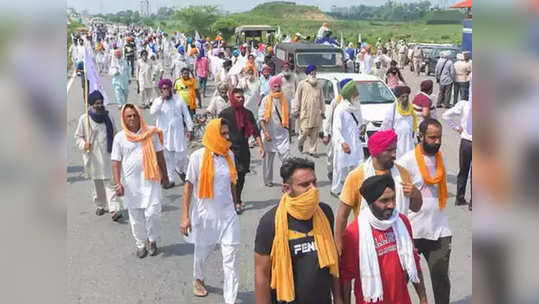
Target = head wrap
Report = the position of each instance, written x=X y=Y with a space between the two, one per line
x=285 y=64
x=214 y=142
x=118 y=52
x=460 y=57
x=181 y=50
x=222 y=86
x=149 y=158
x=325 y=24
x=242 y=117
x=270 y=49
x=266 y=67
x=343 y=82
x=250 y=67
x=380 y=141
x=373 y=187
x=310 y=68
x=95 y=95
x=164 y=81
x=348 y=90
x=201 y=53
x=242 y=48
x=275 y=80
x=302 y=207
x=236 y=53
x=426 y=85
x=401 y=90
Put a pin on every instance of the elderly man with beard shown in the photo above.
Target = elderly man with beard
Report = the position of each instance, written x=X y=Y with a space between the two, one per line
x=432 y=236
x=309 y=109
x=171 y=114
x=383 y=148
x=219 y=102
x=250 y=84
x=138 y=167
x=347 y=126
x=386 y=259
x=295 y=256
x=264 y=81
x=290 y=84
x=243 y=127
x=96 y=153
x=402 y=119
x=273 y=118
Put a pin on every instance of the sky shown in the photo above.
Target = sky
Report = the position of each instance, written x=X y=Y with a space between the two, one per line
x=108 y=6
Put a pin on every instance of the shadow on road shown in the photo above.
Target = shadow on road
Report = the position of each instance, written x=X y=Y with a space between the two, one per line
x=256 y=205
x=178 y=249
x=74 y=169
x=467 y=300
x=243 y=297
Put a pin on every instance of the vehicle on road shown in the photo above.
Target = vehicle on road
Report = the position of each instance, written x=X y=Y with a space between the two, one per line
x=326 y=58
x=255 y=34
x=375 y=96
x=431 y=54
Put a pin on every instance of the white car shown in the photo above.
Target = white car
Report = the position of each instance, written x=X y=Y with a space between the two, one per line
x=375 y=96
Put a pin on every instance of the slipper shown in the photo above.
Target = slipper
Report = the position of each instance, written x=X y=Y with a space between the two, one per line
x=238 y=208
x=199 y=290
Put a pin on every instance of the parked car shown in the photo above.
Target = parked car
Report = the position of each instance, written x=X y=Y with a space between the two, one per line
x=433 y=54
x=255 y=34
x=326 y=58
x=375 y=97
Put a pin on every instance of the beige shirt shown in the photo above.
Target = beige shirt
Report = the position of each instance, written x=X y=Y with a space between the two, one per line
x=309 y=103
x=462 y=70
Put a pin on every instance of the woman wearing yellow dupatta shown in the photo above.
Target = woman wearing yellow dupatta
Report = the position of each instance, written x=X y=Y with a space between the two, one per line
x=402 y=119
x=211 y=185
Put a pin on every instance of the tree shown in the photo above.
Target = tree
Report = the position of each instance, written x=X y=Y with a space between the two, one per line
x=226 y=26
x=199 y=18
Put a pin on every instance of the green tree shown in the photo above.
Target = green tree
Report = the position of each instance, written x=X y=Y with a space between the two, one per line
x=199 y=18
x=226 y=26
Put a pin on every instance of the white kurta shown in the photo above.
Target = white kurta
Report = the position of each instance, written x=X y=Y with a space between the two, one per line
x=214 y=221
x=346 y=130
x=429 y=222
x=251 y=91
x=170 y=116
x=403 y=126
x=178 y=63
x=217 y=104
x=96 y=161
x=145 y=74
x=279 y=135
x=139 y=192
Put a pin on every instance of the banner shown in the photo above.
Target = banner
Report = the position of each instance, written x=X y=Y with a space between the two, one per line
x=93 y=77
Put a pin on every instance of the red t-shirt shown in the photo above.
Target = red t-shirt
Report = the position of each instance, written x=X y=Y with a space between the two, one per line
x=393 y=277
x=422 y=101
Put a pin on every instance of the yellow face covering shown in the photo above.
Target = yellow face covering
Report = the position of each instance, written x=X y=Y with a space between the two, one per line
x=302 y=207
x=408 y=112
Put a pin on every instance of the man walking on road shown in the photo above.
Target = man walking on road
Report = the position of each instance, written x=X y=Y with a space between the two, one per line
x=137 y=156
x=172 y=115
x=295 y=255
x=383 y=148
x=432 y=236
x=309 y=109
x=386 y=259
x=242 y=126
x=187 y=87
x=445 y=76
x=273 y=118
x=145 y=73
x=119 y=69
x=96 y=153
x=212 y=176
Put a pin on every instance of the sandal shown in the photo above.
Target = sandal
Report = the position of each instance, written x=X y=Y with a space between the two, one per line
x=238 y=208
x=199 y=290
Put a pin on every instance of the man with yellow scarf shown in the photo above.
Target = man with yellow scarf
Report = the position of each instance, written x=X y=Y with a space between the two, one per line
x=211 y=176
x=295 y=255
x=402 y=119
x=431 y=233
x=186 y=87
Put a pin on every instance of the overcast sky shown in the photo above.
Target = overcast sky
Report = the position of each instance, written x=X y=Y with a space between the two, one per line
x=109 y=6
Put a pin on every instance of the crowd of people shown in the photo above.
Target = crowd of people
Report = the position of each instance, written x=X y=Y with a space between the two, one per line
x=303 y=252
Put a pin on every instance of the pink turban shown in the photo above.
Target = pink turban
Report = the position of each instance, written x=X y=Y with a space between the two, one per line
x=266 y=67
x=164 y=81
x=275 y=80
x=380 y=141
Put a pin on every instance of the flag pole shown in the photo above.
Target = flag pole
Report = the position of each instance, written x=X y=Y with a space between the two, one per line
x=86 y=109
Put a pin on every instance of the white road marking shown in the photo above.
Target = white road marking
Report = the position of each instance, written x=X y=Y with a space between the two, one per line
x=70 y=82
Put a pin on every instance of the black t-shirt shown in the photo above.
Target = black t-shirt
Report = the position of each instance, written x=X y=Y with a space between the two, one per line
x=311 y=284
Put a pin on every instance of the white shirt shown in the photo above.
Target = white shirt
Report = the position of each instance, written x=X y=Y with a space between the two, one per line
x=139 y=192
x=217 y=104
x=96 y=161
x=145 y=74
x=279 y=135
x=346 y=130
x=429 y=222
x=464 y=109
x=214 y=221
x=403 y=126
x=170 y=117
x=251 y=91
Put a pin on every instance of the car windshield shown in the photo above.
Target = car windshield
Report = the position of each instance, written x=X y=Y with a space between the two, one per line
x=319 y=59
x=374 y=92
x=427 y=51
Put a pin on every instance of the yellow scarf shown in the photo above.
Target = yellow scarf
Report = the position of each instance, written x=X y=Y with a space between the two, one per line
x=191 y=86
x=150 y=166
x=439 y=179
x=339 y=98
x=284 y=108
x=216 y=143
x=408 y=112
x=302 y=207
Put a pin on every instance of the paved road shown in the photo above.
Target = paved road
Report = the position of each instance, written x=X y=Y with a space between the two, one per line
x=103 y=268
